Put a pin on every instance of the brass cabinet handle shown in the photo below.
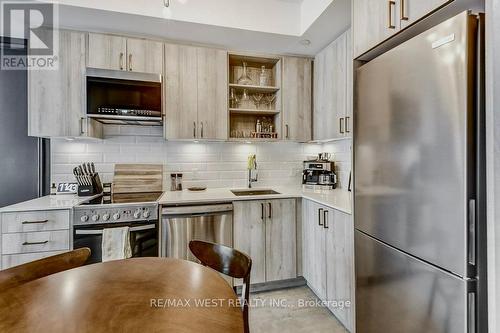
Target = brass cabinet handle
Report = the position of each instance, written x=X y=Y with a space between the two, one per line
x=341 y=125
x=35 y=243
x=35 y=222
x=262 y=211
x=320 y=211
x=270 y=210
x=347 y=130
x=287 y=131
x=201 y=123
x=391 y=4
x=325 y=219
x=194 y=129
x=121 y=60
x=403 y=16
x=130 y=62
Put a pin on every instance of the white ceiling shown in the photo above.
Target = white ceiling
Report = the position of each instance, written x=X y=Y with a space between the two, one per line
x=271 y=26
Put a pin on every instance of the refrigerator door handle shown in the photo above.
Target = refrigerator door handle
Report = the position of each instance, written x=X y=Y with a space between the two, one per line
x=472 y=232
x=471 y=312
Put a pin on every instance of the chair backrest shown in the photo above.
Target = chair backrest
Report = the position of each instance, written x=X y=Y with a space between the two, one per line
x=15 y=276
x=228 y=261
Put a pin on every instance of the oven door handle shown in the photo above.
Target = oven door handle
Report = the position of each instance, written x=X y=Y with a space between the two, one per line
x=99 y=232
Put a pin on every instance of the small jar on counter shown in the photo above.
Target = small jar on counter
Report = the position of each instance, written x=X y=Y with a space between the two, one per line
x=179 y=182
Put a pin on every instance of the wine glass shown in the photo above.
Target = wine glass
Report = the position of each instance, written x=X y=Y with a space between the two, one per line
x=269 y=99
x=257 y=98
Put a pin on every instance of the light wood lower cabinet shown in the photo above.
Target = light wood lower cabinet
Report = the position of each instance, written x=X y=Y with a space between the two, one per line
x=328 y=258
x=266 y=231
x=31 y=235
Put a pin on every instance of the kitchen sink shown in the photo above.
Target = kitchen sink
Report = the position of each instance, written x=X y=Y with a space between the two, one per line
x=240 y=193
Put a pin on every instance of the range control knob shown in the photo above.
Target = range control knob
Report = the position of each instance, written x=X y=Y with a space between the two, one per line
x=105 y=217
x=116 y=216
x=146 y=214
x=84 y=218
x=137 y=214
x=95 y=217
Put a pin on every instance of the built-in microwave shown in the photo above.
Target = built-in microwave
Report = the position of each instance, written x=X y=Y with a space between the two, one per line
x=120 y=97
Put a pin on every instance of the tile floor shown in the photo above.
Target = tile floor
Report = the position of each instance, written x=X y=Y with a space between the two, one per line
x=269 y=319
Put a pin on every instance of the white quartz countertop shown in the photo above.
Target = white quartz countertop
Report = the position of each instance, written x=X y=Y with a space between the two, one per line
x=48 y=202
x=336 y=199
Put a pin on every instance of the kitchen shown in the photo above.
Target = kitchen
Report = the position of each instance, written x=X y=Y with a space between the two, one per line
x=186 y=126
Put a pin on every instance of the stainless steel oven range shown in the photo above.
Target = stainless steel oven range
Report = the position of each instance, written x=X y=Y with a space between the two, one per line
x=139 y=211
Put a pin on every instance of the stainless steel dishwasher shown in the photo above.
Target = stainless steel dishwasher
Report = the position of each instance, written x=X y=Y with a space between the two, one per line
x=180 y=225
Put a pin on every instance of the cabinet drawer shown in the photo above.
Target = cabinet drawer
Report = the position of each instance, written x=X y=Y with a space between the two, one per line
x=12 y=260
x=35 y=221
x=35 y=242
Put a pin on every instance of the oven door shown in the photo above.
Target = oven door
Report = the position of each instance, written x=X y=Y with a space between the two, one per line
x=143 y=239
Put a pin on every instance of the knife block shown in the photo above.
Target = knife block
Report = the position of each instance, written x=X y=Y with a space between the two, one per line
x=90 y=190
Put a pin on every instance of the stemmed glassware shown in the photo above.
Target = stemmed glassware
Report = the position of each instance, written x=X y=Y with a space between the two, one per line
x=234 y=99
x=269 y=100
x=257 y=98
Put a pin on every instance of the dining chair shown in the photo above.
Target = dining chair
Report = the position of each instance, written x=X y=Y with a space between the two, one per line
x=15 y=276
x=228 y=261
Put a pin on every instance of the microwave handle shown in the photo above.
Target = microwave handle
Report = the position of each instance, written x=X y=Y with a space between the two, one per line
x=99 y=232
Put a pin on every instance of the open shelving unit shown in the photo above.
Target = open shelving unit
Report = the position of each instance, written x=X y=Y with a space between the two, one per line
x=243 y=116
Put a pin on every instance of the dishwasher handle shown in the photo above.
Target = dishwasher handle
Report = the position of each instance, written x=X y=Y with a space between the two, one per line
x=196 y=210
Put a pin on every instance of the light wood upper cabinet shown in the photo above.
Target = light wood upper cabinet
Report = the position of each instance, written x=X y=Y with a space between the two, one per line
x=348 y=121
x=107 y=52
x=332 y=90
x=413 y=10
x=56 y=98
x=128 y=54
x=374 y=21
x=212 y=93
x=266 y=231
x=281 y=240
x=181 y=93
x=195 y=93
x=145 y=56
x=297 y=90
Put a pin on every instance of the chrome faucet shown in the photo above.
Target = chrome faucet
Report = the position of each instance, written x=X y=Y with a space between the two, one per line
x=252 y=165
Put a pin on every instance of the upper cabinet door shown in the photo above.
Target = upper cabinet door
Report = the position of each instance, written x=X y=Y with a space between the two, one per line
x=339 y=87
x=349 y=85
x=107 y=52
x=297 y=106
x=181 y=93
x=373 y=22
x=212 y=93
x=325 y=122
x=144 y=56
x=413 y=10
x=56 y=98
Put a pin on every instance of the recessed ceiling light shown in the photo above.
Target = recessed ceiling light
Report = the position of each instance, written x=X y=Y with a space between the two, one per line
x=305 y=42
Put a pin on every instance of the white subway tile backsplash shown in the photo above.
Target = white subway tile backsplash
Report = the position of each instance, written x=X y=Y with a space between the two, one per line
x=211 y=164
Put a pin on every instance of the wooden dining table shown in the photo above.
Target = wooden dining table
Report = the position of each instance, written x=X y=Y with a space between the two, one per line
x=133 y=295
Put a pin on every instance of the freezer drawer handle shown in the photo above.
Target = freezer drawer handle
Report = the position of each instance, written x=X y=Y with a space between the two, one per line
x=472 y=232
x=320 y=212
x=35 y=222
x=35 y=243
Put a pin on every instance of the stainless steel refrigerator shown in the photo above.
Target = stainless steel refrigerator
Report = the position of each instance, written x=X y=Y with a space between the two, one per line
x=419 y=184
x=24 y=160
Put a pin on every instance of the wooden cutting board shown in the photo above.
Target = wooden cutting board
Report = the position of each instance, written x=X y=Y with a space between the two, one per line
x=138 y=178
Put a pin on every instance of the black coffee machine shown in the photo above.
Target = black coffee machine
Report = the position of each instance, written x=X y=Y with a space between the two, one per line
x=319 y=173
